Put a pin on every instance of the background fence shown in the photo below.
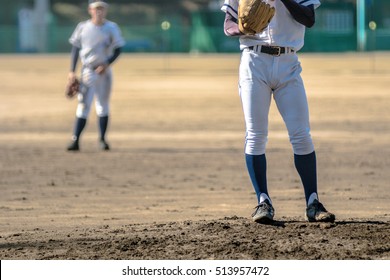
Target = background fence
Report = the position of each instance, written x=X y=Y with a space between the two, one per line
x=199 y=30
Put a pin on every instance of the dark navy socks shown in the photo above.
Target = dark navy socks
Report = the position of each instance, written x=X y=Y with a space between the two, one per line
x=257 y=168
x=78 y=128
x=80 y=125
x=306 y=166
x=103 y=123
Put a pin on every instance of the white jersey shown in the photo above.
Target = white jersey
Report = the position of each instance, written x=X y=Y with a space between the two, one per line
x=96 y=43
x=283 y=30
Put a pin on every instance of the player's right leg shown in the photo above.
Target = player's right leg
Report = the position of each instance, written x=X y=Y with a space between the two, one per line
x=82 y=112
x=77 y=130
x=256 y=98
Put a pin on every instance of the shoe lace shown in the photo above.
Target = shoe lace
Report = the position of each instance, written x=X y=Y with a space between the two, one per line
x=318 y=207
x=262 y=206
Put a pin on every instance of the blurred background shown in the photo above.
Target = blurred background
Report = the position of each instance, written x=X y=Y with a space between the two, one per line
x=184 y=26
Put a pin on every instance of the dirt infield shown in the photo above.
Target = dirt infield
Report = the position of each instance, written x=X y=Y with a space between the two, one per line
x=174 y=185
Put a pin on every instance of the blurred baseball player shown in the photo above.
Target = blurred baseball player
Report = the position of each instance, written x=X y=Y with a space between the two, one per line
x=269 y=68
x=98 y=43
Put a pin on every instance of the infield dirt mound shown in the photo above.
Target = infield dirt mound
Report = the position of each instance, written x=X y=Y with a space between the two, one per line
x=228 y=238
x=176 y=167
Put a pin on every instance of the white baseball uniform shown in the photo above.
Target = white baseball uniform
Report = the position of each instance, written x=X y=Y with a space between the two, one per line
x=96 y=45
x=262 y=75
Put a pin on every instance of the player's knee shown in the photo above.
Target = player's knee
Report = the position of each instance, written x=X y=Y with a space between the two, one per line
x=102 y=111
x=82 y=111
x=302 y=144
x=255 y=143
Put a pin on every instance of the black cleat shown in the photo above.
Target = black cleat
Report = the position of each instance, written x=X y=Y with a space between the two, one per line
x=103 y=145
x=73 y=146
x=316 y=212
x=264 y=213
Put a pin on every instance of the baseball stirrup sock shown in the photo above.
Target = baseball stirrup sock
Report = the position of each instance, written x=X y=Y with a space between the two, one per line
x=79 y=127
x=257 y=168
x=103 y=123
x=307 y=168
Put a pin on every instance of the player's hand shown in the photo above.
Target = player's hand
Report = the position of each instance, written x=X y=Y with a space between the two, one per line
x=71 y=77
x=101 y=69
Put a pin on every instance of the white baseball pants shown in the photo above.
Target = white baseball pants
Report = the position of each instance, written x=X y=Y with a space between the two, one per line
x=94 y=85
x=261 y=76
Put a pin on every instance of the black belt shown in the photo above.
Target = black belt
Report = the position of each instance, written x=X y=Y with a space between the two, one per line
x=272 y=50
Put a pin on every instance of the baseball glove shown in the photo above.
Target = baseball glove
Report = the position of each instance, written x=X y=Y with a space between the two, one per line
x=254 y=16
x=72 y=88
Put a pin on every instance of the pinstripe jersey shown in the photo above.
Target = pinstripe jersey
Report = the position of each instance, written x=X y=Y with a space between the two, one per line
x=96 y=43
x=282 y=31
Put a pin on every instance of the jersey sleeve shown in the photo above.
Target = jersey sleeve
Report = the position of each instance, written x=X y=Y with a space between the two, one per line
x=75 y=38
x=117 y=39
x=231 y=7
x=316 y=3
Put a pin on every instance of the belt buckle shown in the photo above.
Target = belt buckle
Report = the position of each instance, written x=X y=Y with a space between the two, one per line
x=279 y=51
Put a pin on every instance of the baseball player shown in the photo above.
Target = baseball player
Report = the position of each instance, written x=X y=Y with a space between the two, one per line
x=98 y=43
x=269 y=68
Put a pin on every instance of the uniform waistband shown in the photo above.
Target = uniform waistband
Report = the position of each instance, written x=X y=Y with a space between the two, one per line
x=272 y=50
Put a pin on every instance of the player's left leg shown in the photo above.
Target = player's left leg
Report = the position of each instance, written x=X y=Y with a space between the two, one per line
x=103 y=124
x=291 y=100
x=103 y=93
x=292 y=105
